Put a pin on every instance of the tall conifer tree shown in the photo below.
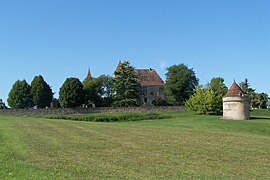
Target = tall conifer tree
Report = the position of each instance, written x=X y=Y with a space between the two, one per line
x=126 y=86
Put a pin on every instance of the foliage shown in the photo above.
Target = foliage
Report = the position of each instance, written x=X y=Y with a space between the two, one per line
x=41 y=92
x=245 y=86
x=106 y=90
x=19 y=96
x=180 y=84
x=217 y=85
x=125 y=85
x=71 y=93
x=160 y=102
x=208 y=100
x=112 y=117
x=92 y=90
x=98 y=91
x=219 y=88
x=256 y=100
x=203 y=101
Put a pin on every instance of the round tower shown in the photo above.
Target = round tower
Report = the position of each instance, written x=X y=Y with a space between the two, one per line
x=236 y=104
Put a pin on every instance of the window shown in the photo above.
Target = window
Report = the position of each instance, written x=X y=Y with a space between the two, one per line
x=144 y=90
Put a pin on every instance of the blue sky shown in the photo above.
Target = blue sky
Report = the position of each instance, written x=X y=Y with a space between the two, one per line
x=62 y=38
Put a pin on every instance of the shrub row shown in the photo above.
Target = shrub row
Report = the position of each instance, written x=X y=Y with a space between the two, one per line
x=112 y=118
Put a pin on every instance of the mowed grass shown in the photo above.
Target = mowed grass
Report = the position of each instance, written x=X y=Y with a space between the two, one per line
x=185 y=146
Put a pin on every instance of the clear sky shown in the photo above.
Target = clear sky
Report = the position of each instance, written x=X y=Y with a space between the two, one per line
x=62 y=38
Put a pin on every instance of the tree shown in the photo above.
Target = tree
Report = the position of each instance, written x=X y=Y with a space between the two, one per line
x=208 y=100
x=19 y=96
x=263 y=100
x=92 y=90
x=41 y=92
x=245 y=86
x=180 y=84
x=106 y=90
x=218 y=86
x=256 y=100
x=126 y=86
x=203 y=101
x=71 y=93
x=98 y=90
x=219 y=89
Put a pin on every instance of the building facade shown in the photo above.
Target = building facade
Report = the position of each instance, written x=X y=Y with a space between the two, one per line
x=151 y=86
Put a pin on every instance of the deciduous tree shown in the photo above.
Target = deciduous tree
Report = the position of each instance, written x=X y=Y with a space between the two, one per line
x=256 y=100
x=106 y=89
x=98 y=90
x=92 y=90
x=180 y=84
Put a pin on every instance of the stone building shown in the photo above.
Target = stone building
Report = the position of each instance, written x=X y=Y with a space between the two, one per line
x=236 y=104
x=152 y=86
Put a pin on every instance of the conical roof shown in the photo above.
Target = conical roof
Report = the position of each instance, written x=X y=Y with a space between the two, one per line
x=235 y=91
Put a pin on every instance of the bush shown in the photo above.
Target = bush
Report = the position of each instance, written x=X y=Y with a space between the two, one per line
x=204 y=101
x=160 y=102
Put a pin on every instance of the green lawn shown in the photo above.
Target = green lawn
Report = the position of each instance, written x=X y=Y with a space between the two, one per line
x=184 y=146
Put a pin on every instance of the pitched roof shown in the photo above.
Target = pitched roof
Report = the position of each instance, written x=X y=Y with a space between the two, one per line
x=149 y=77
x=235 y=91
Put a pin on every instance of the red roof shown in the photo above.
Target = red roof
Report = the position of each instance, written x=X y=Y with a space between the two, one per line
x=149 y=77
x=235 y=91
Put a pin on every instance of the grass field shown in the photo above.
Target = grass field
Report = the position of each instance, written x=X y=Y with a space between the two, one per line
x=184 y=146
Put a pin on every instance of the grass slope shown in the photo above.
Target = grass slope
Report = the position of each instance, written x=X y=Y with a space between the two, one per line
x=184 y=146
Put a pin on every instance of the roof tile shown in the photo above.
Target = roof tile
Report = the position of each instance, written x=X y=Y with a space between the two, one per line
x=235 y=91
x=149 y=77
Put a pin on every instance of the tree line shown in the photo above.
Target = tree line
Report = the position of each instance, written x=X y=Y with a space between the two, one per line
x=181 y=88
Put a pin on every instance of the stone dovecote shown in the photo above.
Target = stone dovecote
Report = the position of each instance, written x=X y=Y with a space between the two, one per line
x=236 y=104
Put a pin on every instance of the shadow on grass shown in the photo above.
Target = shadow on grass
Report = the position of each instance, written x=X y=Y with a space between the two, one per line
x=262 y=118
